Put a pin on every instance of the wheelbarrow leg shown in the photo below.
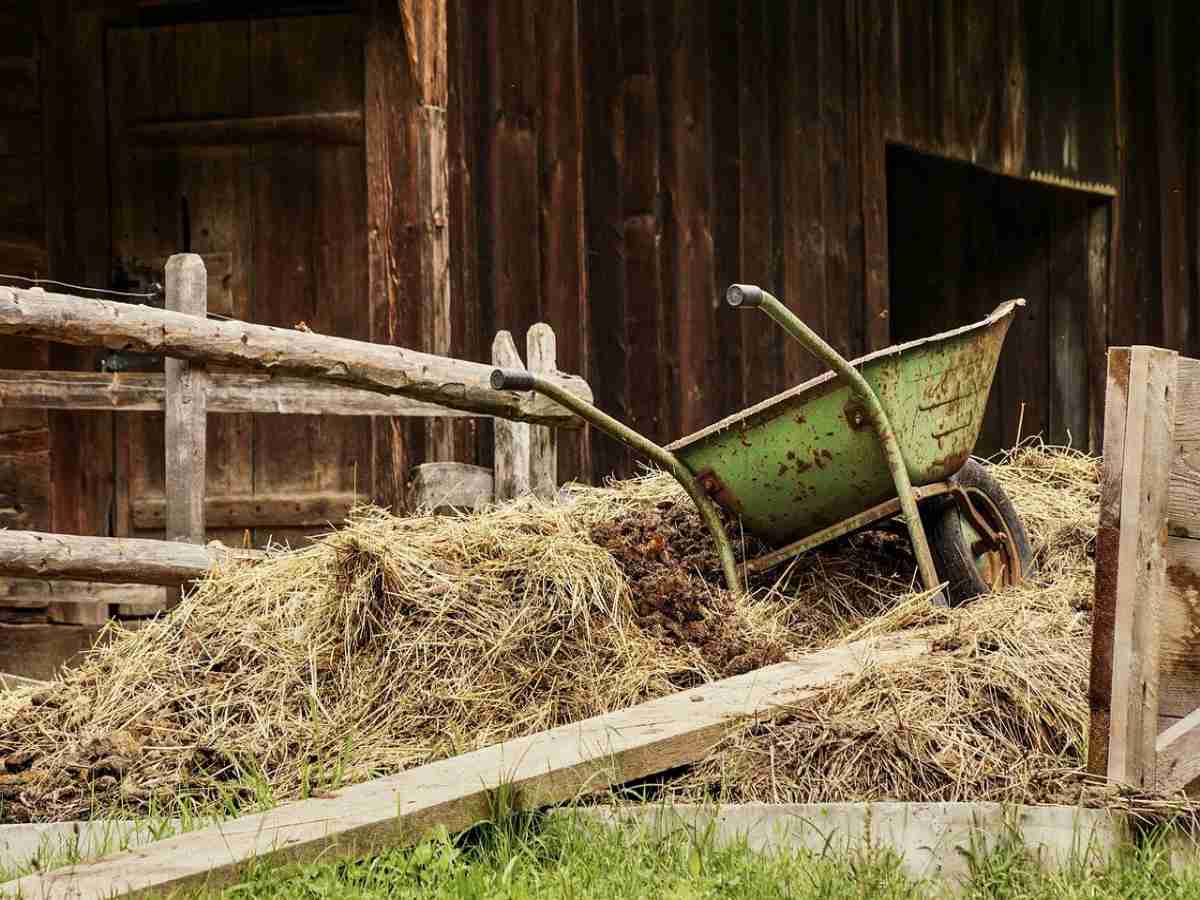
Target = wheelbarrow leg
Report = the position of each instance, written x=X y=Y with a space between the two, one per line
x=513 y=380
x=751 y=296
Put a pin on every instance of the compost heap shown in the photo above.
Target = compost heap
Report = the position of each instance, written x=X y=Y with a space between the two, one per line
x=395 y=641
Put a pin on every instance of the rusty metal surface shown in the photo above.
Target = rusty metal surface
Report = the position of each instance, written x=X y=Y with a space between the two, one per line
x=801 y=462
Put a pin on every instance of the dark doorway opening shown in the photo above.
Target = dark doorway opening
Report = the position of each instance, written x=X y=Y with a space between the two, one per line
x=962 y=240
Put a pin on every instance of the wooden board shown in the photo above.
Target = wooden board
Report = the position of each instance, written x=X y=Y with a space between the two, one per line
x=1130 y=620
x=544 y=768
x=39 y=651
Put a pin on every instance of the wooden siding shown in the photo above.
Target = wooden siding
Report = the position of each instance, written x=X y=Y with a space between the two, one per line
x=613 y=164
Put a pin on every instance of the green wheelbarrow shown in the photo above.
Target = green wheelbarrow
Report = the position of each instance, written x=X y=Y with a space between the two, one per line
x=891 y=432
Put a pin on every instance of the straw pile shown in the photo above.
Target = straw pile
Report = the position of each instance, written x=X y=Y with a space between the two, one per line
x=393 y=641
x=998 y=713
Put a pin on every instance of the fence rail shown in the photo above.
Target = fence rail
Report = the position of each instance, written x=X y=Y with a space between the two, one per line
x=291 y=372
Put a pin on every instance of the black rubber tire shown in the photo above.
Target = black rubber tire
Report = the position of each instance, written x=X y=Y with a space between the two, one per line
x=953 y=558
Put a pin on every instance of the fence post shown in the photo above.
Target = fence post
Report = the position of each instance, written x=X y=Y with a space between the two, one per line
x=541 y=351
x=186 y=412
x=511 y=463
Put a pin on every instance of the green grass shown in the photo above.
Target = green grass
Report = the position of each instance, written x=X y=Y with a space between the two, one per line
x=563 y=859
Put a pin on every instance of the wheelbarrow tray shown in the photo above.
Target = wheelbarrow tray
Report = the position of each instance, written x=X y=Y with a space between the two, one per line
x=807 y=459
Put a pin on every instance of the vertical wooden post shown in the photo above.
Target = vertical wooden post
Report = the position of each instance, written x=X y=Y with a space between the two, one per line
x=186 y=412
x=511 y=464
x=1139 y=425
x=541 y=350
x=408 y=250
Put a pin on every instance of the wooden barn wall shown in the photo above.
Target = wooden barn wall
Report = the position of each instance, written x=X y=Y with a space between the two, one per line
x=627 y=159
x=613 y=164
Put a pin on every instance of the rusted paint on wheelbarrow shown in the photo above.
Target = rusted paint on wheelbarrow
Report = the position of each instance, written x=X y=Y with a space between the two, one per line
x=807 y=458
x=871 y=438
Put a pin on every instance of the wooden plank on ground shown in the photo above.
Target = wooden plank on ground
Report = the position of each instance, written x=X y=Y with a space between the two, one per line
x=511 y=464
x=32 y=554
x=387 y=369
x=544 y=768
x=1131 y=563
x=15 y=682
x=542 y=353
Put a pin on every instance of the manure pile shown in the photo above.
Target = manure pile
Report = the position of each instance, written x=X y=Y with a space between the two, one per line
x=395 y=641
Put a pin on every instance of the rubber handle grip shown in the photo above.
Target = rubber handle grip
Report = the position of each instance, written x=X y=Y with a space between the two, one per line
x=511 y=380
x=748 y=295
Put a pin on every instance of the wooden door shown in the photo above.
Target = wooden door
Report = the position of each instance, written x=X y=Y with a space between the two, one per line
x=281 y=225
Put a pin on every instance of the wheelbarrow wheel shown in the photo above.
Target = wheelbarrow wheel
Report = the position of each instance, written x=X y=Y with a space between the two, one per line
x=966 y=558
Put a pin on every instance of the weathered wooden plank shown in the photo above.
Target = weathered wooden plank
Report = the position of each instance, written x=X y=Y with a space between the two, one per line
x=464 y=42
x=1178 y=752
x=762 y=347
x=563 y=249
x=391 y=370
x=542 y=353
x=39 y=651
x=32 y=554
x=32 y=593
x=407 y=200
x=603 y=186
x=1097 y=320
x=512 y=454
x=228 y=392
x=1068 y=315
x=186 y=415
x=1131 y=561
x=879 y=82
x=541 y=769
x=1184 y=500
x=447 y=487
x=15 y=682
x=1179 y=639
x=643 y=329
x=258 y=510
x=342 y=127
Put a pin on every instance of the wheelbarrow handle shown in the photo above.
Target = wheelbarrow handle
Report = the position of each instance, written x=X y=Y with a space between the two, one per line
x=512 y=380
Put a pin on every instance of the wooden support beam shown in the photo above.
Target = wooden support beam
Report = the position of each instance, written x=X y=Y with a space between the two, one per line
x=455 y=383
x=511 y=461
x=343 y=127
x=33 y=554
x=542 y=769
x=228 y=392
x=542 y=353
x=1131 y=558
x=186 y=419
x=256 y=511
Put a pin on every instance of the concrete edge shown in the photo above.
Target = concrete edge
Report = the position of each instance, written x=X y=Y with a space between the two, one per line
x=931 y=840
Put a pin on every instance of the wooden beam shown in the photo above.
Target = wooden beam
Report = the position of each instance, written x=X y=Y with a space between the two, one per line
x=542 y=353
x=186 y=418
x=542 y=769
x=386 y=369
x=343 y=127
x=511 y=459
x=228 y=392
x=1178 y=751
x=58 y=596
x=256 y=511
x=33 y=554
x=1131 y=564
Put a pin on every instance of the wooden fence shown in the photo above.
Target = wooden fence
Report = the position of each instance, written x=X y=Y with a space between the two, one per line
x=322 y=375
x=1145 y=672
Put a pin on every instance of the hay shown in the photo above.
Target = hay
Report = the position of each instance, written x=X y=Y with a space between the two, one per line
x=392 y=642
x=386 y=644
x=997 y=712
